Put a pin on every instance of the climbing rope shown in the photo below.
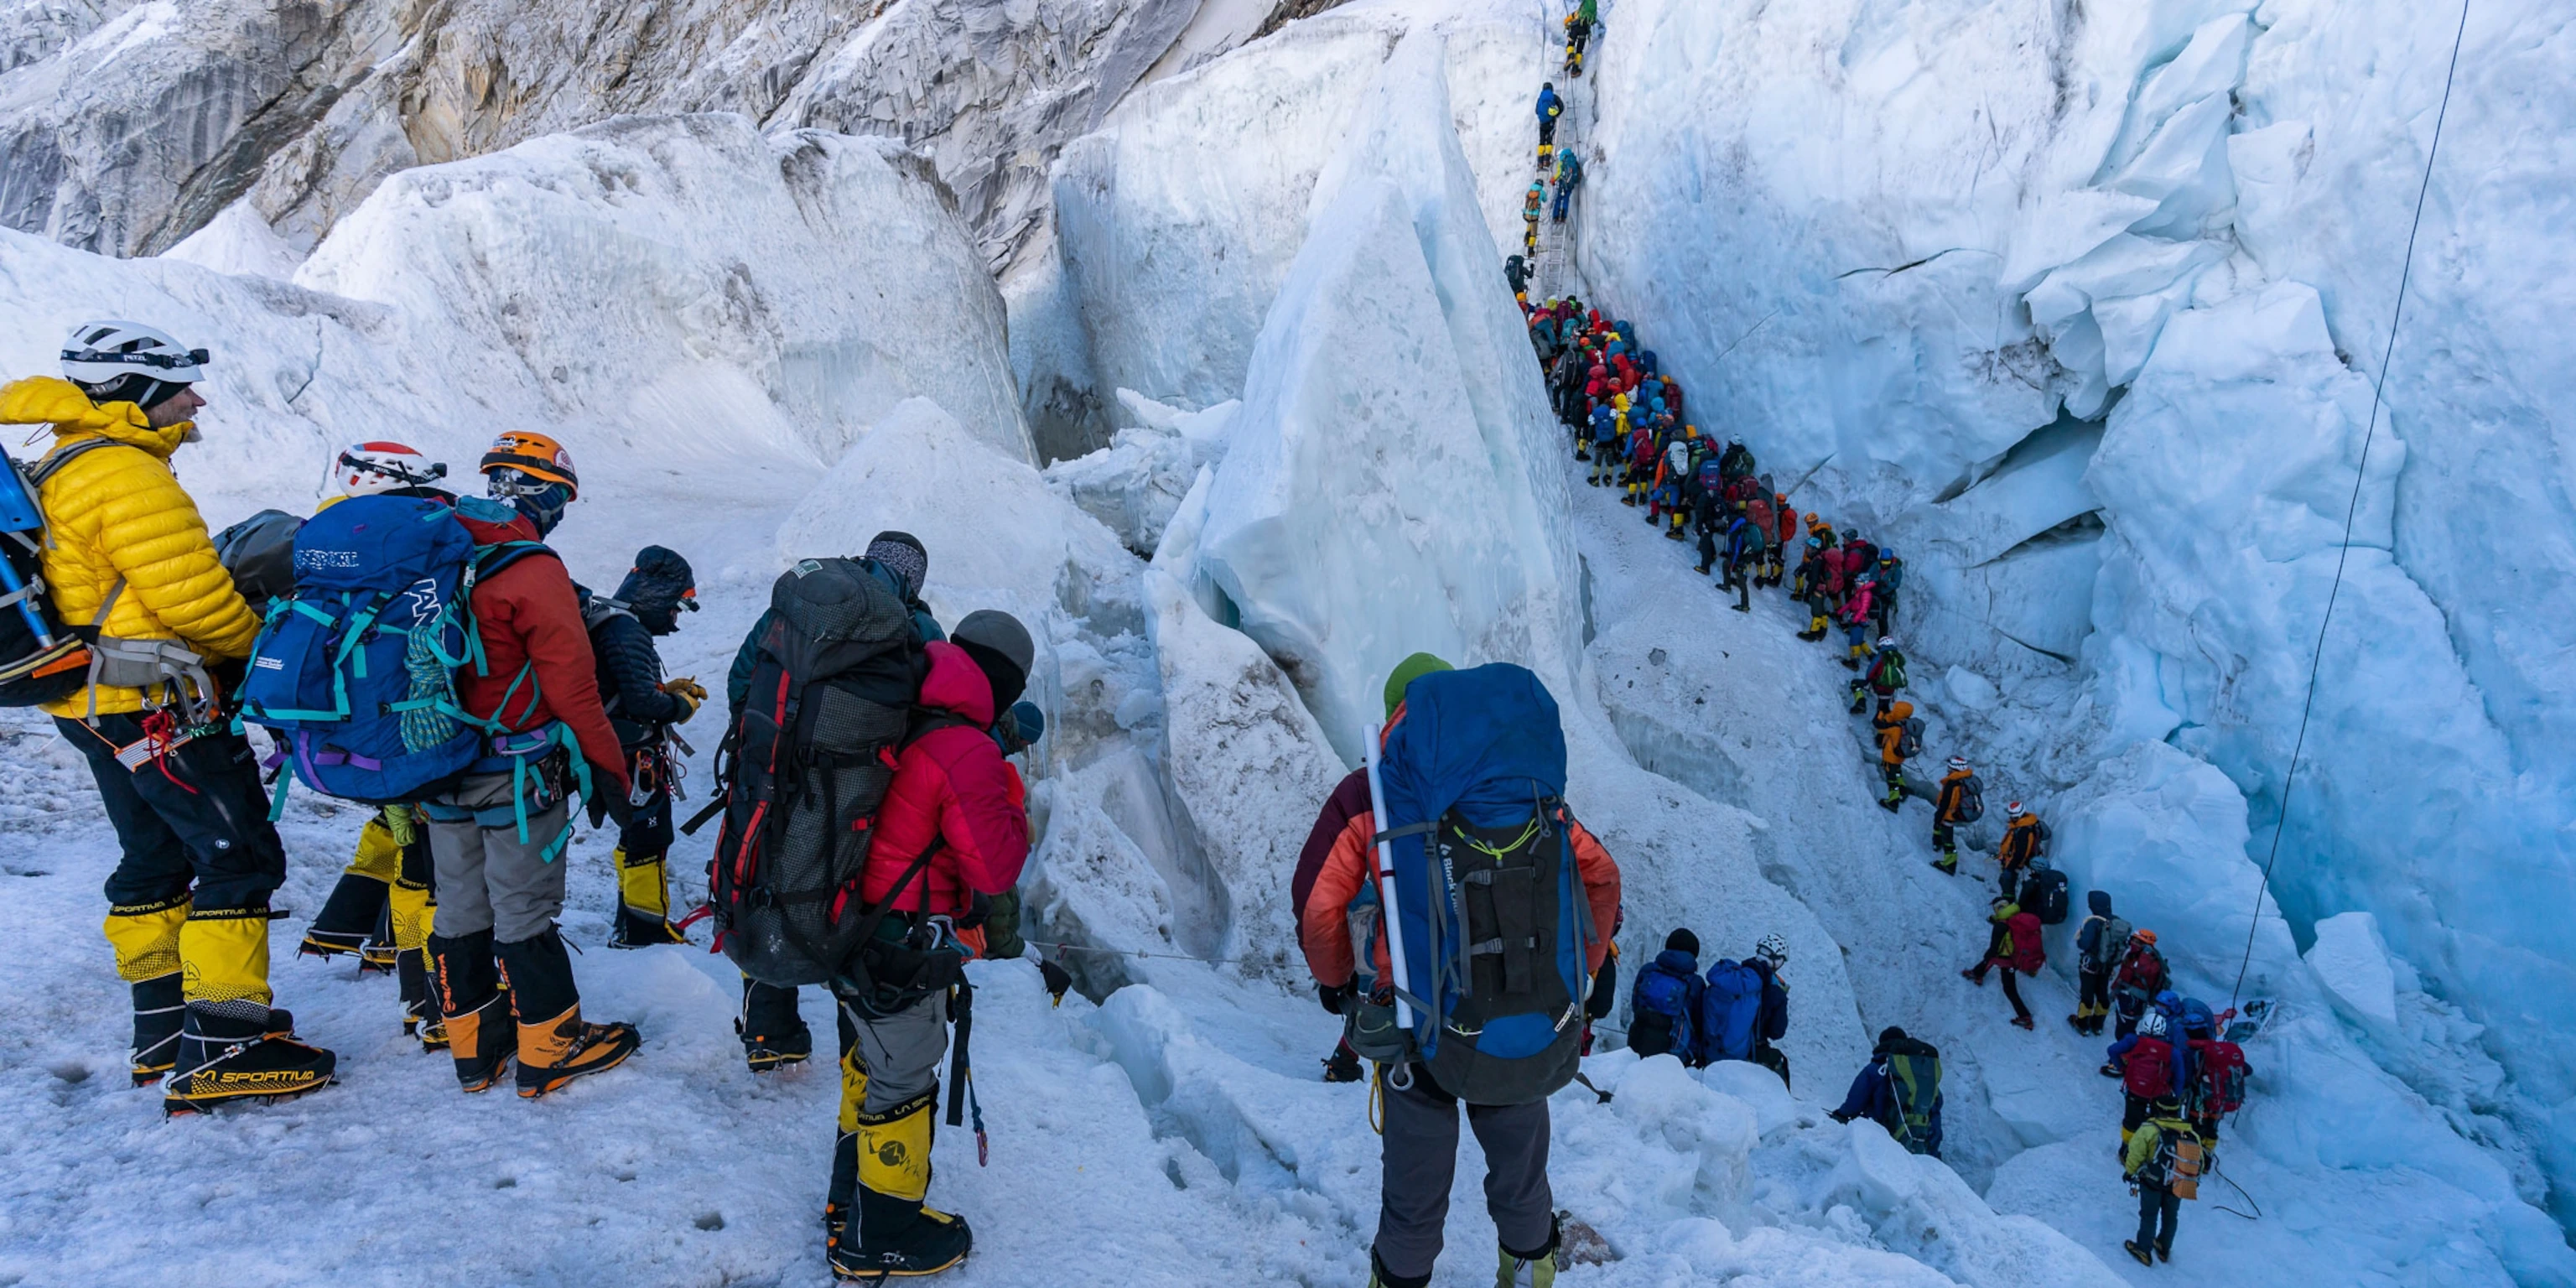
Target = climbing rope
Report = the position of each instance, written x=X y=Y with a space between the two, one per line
x=2257 y=1215
x=1135 y=952
x=2352 y=510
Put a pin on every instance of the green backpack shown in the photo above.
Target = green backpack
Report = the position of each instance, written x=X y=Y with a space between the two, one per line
x=1916 y=1077
x=1890 y=671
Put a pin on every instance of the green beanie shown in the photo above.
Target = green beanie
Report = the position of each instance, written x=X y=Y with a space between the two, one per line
x=1406 y=672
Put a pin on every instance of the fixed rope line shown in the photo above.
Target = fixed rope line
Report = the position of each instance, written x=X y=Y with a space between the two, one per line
x=1135 y=952
x=2352 y=510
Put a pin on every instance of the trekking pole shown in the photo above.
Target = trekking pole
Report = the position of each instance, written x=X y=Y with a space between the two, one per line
x=1385 y=875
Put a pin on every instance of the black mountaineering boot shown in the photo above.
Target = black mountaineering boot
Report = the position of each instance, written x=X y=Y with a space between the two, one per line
x=377 y=957
x=348 y=918
x=898 y=1239
x=473 y=1008
x=232 y=1052
x=773 y=1035
x=420 y=1017
x=158 y=1006
x=1343 y=1065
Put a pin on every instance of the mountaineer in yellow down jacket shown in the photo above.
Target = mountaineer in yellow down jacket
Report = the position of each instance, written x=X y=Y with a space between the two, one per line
x=127 y=553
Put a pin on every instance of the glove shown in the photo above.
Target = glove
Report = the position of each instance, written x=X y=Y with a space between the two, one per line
x=606 y=800
x=690 y=693
x=1055 y=979
x=1336 y=996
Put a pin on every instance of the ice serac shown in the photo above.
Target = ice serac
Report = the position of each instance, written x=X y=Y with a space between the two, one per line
x=694 y=285
x=1177 y=220
x=907 y=471
x=1409 y=501
x=2339 y=111
x=1945 y=256
x=1248 y=767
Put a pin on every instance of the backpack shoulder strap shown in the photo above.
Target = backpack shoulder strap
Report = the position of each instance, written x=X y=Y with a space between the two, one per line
x=598 y=610
x=491 y=559
x=52 y=465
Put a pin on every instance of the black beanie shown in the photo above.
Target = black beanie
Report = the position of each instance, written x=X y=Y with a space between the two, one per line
x=1000 y=646
x=1682 y=940
x=1890 y=1036
x=901 y=553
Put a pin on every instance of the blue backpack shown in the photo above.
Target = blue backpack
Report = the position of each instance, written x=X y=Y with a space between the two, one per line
x=1488 y=904
x=355 y=672
x=2197 y=1022
x=1662 y=1020
x=1728 y=1012
x=1710 y=477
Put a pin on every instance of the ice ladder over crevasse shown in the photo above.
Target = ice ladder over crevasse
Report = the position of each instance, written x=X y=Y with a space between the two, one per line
x=1552 y=271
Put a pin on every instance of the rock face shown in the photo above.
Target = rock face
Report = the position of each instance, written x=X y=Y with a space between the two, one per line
x=125 y=127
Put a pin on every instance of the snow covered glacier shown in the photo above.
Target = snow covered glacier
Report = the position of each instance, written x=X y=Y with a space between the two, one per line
x=2079 y=309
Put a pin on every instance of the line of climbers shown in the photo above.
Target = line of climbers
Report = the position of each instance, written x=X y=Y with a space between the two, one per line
x=426 y=653
x=1557 y=164
x=1626 y=418
x=1627 y=421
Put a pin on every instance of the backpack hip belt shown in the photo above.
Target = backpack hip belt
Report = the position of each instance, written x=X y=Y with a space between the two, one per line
x=520 y=754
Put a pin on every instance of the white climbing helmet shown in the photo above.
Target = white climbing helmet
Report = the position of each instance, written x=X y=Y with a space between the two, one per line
x=1773 y=949
x=1958 y=764
x=99 y=353
x=2013 y=809
x=2152 y=1024
x=1887 y=641
x=366 y=469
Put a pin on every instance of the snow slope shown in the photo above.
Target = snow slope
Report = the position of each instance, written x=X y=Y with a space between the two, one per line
x=2081 y=311
x=1174 y=1135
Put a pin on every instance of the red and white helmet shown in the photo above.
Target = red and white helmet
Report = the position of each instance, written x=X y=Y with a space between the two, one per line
x=366 y=469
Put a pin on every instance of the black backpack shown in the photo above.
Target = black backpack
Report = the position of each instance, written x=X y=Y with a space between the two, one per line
x=810 y=758
x=1909 y=742
x=259 y=552
x=2044 y=893
x=1972 y=800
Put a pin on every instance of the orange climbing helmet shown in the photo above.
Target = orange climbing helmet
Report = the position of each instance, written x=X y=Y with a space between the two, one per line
x=520 y=458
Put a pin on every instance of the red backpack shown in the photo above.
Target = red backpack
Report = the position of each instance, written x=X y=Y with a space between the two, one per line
x=2142 y=969
x=2028 y=953
x=2220 y=1086
x=2148 y=1072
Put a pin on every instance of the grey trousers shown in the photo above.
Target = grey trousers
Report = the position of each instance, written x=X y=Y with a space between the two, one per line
x=900 y=1053
x=487 y=879
x=1421 y=1159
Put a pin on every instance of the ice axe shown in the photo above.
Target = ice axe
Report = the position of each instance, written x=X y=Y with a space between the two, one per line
x=20 y=516
x=1587 y=1085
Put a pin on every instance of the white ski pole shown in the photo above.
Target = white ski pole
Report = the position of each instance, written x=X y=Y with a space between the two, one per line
x=1386 y=919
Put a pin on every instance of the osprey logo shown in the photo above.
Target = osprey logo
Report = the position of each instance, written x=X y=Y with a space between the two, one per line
x=323 y=560
x=420 y=599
